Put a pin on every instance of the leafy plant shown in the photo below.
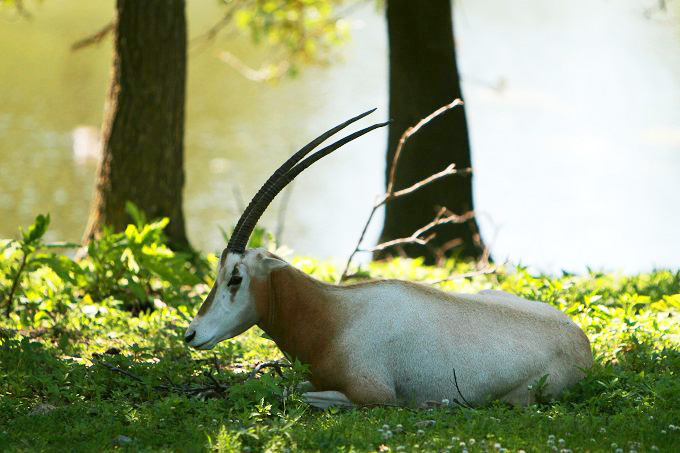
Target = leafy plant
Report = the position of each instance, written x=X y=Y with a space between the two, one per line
x=20 y=257
x=71 y=338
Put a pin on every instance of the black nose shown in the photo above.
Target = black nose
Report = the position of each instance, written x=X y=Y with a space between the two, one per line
x=190 y=337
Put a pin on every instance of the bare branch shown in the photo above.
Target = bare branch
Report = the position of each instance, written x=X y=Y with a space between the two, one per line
x=266 y=71
x=276 y=365
x=281 y=216
x=409 y=132
x=213 y=31
x=345 y=271
x=121 y=371
x=201 y=391
x=415 y=237
x=455 y=380
x=391 y=194
x=450 y=170
x=21 y=11
x=94 y=38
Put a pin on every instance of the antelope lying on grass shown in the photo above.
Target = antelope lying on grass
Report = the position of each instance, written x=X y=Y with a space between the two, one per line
x=386 y=342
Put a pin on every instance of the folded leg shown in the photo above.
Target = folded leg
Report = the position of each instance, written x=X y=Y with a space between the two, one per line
x=329 y=398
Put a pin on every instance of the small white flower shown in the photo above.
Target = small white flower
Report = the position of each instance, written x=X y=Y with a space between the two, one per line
x=455 y=439
x=445 y=402
x=420 y=432
x=619 y=450
x=654 y=448
x=614 y=445
x=386 y=427
x=471 y=441
x=496 y=446
x=603 y=430
x=663 y=431
x=551 y=437
x=561 y=442
x=461 y=445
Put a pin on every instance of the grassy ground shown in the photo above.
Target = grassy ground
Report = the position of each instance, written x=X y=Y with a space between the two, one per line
x=80 y=373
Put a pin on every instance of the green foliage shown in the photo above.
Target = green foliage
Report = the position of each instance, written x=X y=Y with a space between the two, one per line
x=133 y=269
x=78 y=369
x=297 y=32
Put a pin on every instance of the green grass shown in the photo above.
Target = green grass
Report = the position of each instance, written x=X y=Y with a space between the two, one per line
x=63 y=352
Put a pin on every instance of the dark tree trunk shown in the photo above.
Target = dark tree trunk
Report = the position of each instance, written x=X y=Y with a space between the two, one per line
x=423 y=77
x=143 y=128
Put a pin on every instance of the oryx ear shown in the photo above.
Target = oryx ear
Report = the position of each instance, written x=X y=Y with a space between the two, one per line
x=271 y=262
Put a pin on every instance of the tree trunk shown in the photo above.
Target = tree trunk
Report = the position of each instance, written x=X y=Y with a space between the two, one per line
x=143 y=128
x=423 y=77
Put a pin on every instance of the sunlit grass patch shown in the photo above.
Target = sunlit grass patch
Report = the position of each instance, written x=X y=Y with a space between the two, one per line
x=88 y=370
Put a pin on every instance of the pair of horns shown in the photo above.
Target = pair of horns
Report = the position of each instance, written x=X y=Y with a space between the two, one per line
x=284 y=175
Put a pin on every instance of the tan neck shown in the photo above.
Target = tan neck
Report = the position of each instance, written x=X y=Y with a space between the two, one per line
x=300 y=314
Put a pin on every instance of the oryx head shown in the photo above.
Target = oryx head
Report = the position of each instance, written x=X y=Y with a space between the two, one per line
x=230 y=307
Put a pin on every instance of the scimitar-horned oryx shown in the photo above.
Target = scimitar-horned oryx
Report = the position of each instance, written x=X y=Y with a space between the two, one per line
x=386 y=342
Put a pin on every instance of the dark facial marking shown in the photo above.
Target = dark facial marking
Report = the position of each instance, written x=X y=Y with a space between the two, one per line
x=208 y=300
x=234 y=282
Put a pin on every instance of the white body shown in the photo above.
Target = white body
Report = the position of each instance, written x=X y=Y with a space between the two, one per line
x=395 y=342
x=497 y=343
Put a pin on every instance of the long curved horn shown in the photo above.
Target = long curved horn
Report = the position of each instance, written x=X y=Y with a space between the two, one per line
x=240 y=239
x=287 y=165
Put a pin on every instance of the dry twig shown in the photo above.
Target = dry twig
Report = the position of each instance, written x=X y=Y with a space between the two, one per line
x=409 y=132
x=466 y=405
x=94 y=38
x=21 y=10
x=213 y=31
x=198 y=391
x=276 y=365
x=415 y=237
x=391 y=194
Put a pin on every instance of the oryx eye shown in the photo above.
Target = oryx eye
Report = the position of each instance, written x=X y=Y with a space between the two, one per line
x=235 y=280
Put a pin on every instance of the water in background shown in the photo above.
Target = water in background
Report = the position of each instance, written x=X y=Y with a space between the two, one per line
x=574 y=110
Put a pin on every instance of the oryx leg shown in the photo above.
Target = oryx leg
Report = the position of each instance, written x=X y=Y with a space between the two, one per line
x=519 y=396
x=329 y=398
x=305 y=386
